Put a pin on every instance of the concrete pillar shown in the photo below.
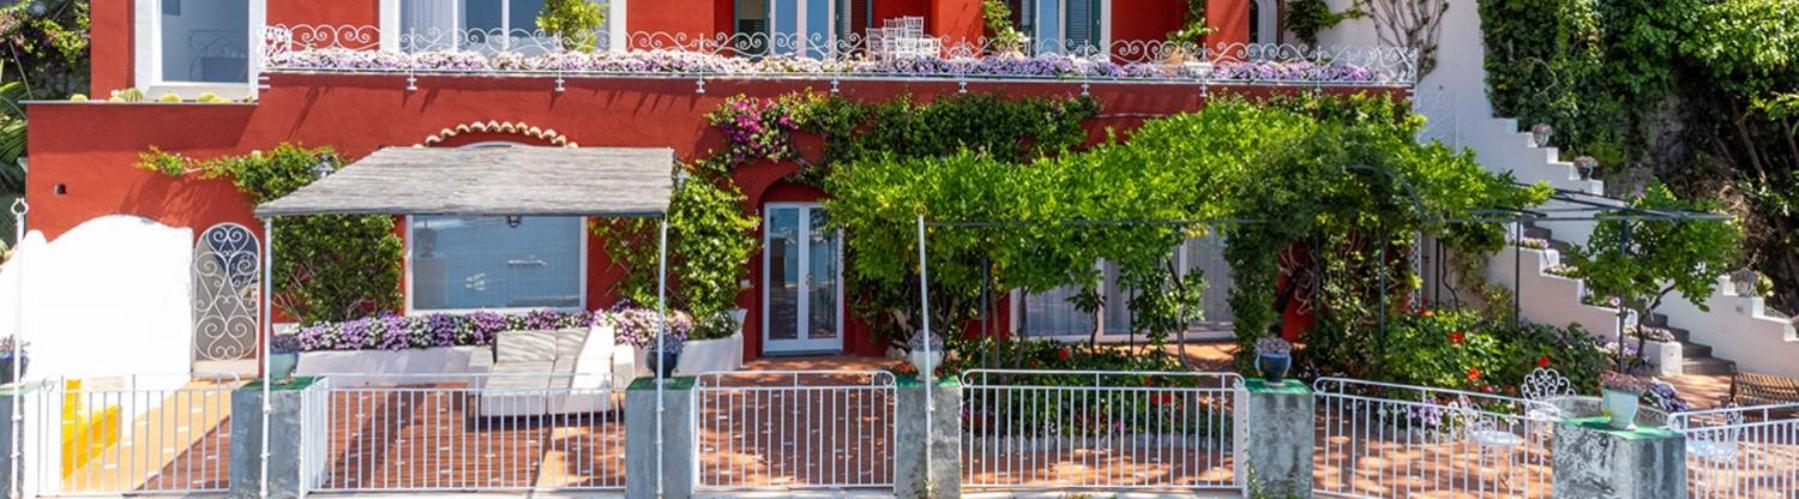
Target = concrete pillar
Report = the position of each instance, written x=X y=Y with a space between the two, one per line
x=1592 y=459
x=679 y=464
x=285 y=445
x=8 y=436
x=945 y=439
x=1274 y=437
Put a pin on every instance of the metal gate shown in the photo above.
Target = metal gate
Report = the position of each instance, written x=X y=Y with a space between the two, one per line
x=227 y=275
x=795 y=430
x=1387 y=440
x=1058 y=430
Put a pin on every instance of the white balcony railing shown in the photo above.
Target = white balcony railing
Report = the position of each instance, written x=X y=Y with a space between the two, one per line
x=888 y=55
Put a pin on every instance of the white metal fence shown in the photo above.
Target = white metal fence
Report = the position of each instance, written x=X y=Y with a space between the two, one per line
x=795 y=429
x=492 y=432
x=1388 y=440
x=1741 y=451
x=1098 y=430
x=145 y=434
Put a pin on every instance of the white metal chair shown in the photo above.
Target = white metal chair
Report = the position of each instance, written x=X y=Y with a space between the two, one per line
x=1714 y=444
x=1545 y=385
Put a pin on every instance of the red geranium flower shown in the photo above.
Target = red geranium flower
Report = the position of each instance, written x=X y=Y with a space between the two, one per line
x=1065 y=353
x=1543 y=361
x=1473 y=373
x=1456 y=337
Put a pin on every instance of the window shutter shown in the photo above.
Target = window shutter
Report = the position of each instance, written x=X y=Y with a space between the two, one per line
x=1082 y=29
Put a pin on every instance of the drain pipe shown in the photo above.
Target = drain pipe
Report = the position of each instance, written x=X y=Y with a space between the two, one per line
x=268 y=333
x=17 y=445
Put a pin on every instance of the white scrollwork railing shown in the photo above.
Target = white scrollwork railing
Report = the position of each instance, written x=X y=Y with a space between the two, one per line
x=885 y=53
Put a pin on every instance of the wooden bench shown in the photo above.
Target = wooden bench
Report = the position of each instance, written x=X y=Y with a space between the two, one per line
x=1751 y=389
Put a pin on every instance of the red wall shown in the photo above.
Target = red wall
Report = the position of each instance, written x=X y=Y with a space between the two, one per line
x=109 y=49
x=1229 y=20
x=89 y=148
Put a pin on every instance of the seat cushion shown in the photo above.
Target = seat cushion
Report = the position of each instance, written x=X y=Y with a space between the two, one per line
x=525 y=346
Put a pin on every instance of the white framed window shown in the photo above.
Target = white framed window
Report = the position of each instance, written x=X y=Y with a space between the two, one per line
x=193 y=46
x=1051 y=315
x=466 y=263
x=1264 y=21
x=484 y=25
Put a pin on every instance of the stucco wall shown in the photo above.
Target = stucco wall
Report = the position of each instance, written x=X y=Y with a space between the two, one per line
x=108 y=298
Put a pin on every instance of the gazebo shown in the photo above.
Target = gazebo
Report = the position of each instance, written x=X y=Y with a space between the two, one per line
x=514 y=181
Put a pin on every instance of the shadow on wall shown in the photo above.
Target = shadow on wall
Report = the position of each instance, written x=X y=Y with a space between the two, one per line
x=108 y=298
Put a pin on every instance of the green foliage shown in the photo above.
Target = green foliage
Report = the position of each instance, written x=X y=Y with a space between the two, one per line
x=43 y=55
x=1284 y=165
x=709 y=242
x=1689 y=89
x=327 y=268
x=1461 y=349
x=997 y=17
x=575 y=22
x=1306 y=18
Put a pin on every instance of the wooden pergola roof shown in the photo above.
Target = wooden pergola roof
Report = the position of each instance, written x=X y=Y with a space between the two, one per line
x=494 y=181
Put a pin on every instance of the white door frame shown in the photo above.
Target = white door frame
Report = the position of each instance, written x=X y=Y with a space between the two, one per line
x=803 y=302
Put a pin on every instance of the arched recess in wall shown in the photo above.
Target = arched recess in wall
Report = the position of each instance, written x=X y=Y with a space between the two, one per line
x=1264 y=16
x=491 y=131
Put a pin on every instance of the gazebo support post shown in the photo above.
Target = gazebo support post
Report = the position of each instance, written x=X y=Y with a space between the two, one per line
x=268 y=334
x=924 y=308
x=662 y=315
x=16 y=445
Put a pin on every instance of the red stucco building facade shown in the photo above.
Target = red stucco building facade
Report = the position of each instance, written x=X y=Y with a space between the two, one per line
x=82 y=153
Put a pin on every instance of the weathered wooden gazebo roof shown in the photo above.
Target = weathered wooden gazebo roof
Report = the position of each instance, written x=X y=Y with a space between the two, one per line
x=494 y=181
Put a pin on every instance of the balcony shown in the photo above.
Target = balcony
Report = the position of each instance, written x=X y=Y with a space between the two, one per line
x=893 y=53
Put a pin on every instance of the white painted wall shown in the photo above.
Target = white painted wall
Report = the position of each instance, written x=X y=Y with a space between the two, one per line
x=109 y=298
x=1548 y=298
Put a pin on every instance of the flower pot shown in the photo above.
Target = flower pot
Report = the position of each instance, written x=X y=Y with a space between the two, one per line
x=1274 y=366
x=6 y=366
x=663 y=363
x=1622 y=407
x=282 y=364
x=926 y=363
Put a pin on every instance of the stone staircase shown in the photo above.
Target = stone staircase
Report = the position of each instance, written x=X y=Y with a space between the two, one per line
x=1696 y=358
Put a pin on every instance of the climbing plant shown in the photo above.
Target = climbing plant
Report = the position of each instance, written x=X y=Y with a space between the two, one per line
x=327 y=267
x=710 y=242
x=1002 y=35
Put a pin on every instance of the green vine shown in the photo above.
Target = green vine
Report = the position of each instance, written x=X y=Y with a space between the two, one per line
x=1306 y=18
x=710 y=243
x=326 y=268
x=1193 y=25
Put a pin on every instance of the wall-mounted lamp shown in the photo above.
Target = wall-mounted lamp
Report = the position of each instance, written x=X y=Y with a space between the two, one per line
x=513 y=221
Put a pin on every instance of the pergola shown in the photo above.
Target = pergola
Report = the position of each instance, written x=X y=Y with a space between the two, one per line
x=516 y=181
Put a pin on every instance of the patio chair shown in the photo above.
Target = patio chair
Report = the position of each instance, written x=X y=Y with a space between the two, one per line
x=1715 y=445
x=1548 y=386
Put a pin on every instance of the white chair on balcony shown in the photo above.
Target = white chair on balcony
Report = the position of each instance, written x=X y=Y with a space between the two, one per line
x=1544 y=387
x=1718 y=445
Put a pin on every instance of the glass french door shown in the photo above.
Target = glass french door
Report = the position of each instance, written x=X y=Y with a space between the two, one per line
x=802 y=288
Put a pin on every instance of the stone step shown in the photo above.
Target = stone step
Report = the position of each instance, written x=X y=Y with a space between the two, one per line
x=1695 y=350
x=1708 y=365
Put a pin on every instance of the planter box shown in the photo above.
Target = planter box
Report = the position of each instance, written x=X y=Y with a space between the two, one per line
x=1665 y=356
x=722 y=354
x=398 y=367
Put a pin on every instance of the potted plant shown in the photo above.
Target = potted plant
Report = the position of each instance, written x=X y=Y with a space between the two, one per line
x=663 y=360
x=6 y=359
x=1276 y=356
x=1587 y=165
x=1540 y=133
x=284 y=356
x=1622 y=392
x=925 y=362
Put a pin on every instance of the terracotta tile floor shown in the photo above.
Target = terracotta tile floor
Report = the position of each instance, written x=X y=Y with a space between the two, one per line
x=182 y=443
x=414 y=438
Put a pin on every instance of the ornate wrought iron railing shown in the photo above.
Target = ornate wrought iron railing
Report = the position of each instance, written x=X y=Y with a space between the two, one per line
x=886 y=55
